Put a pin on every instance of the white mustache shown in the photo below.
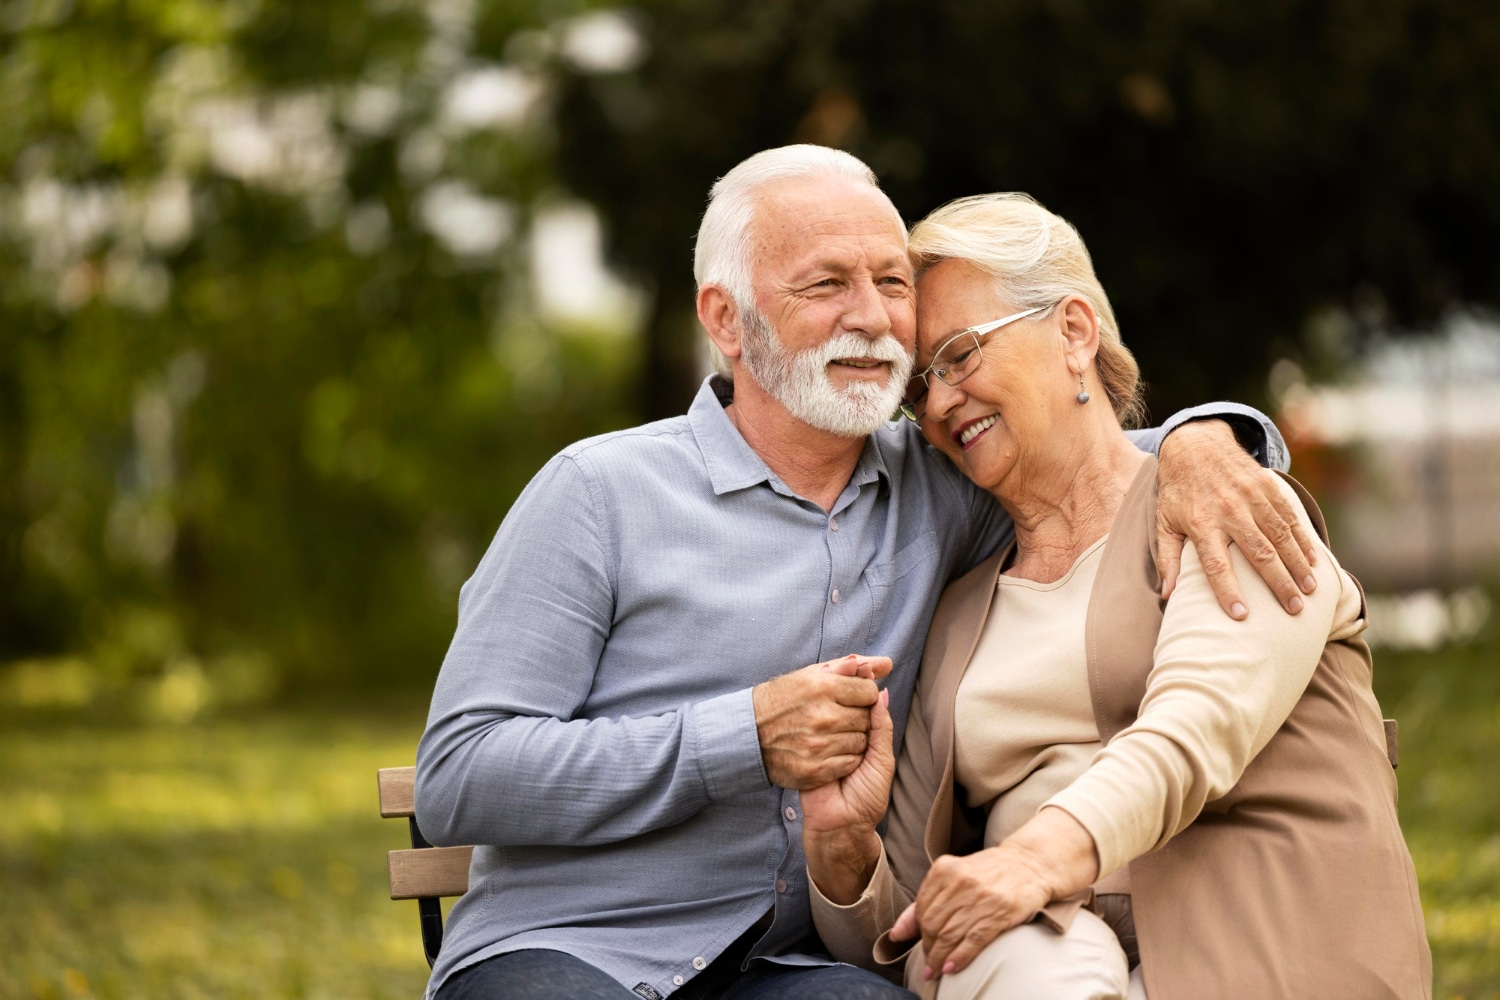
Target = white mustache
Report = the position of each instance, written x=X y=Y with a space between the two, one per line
x=851 y=345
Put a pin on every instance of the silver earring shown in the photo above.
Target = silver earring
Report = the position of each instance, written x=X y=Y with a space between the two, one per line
x=1083 y=394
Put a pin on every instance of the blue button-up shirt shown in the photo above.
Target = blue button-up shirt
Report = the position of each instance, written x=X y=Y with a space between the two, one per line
x=592 y=727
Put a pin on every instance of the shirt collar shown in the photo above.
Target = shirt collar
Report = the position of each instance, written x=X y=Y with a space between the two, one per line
x=733 y=464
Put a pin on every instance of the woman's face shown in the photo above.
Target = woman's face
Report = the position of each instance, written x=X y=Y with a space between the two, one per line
x=993 y=423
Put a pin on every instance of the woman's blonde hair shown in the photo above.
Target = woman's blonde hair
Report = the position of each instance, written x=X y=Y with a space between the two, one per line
x=1037 y=258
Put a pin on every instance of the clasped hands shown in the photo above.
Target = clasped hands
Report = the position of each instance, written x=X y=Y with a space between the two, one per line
x=814 y=723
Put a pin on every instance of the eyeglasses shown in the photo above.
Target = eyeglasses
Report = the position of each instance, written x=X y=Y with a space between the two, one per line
x=957 y=359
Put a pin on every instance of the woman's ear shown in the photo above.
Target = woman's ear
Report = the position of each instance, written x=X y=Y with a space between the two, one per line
x=721 y=318
x=1080 y=331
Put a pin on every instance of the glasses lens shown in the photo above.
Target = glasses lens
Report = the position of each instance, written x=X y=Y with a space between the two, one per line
x=958 y=359
x=916 y=396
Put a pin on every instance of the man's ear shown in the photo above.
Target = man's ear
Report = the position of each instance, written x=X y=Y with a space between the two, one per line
x=1080 y=331
x=721 y=318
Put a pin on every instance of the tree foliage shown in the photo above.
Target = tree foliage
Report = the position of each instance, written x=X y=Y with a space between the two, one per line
x=272 y=363
x=1239 y=171
x=270 y=372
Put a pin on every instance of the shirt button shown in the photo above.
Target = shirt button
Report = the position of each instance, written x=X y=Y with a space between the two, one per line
x=781 y=885
x=833 y=524
x=699 y=963
x=677 y=980
x=834 y=597
x=790 y=814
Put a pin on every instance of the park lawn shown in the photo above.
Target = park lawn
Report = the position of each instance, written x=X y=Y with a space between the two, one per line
x=228 y=859
x=244 y=857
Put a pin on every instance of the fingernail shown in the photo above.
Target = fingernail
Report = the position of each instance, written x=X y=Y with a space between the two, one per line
x=1309 y=584
x=927 y=973
x=947 y=968
x=1294 y=605
x=1236 y=610
x=1312 y=556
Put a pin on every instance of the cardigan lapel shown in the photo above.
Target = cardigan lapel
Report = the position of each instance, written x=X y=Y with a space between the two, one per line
x=952 y=639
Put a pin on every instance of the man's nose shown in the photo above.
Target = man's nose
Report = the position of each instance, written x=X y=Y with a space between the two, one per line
x=867 y=313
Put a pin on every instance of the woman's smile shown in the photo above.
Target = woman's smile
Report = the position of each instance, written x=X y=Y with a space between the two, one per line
x=974 y=430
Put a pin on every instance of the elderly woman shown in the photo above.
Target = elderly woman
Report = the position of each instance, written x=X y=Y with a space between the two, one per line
x=1087 y=766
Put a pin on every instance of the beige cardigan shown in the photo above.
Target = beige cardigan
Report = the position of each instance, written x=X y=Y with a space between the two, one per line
x=1297 y=883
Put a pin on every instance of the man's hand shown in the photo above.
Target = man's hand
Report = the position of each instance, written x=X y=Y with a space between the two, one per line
x=814 y=723
x=1211 y=491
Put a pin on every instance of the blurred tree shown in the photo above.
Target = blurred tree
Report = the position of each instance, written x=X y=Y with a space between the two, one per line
x=270 y=370
x=1236 y=169
x=272 y=360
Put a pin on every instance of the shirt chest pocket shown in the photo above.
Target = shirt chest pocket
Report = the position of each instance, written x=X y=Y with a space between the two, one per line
x=897 y=590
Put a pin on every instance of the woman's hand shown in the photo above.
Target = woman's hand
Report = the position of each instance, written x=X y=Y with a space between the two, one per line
x=966 y=902
x=839 y=818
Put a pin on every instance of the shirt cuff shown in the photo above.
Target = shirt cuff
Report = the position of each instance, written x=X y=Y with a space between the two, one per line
x=726 y=743
x=1255 y=431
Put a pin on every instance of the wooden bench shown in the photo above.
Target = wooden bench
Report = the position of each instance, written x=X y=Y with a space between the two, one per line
x=424 y=873
x=427 y=874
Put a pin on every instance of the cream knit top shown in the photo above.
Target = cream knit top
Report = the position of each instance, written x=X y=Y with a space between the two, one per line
x=1023 y=718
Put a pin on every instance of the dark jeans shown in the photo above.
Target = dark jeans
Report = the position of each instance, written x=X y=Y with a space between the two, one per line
x=538 y=973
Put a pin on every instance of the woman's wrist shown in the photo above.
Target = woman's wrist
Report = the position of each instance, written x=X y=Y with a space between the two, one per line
x=842 y=863
x=1059 y=849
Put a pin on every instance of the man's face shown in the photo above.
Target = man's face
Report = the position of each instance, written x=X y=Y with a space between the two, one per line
x=834 y=286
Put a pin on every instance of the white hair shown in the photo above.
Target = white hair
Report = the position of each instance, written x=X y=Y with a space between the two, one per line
x=722 y=254
x=1037 y=258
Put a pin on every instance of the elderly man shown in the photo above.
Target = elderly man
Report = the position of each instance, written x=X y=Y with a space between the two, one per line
x=620 y=723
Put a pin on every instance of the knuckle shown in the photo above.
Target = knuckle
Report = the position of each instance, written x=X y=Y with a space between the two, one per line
x=1201 y=520
x=1215 y=564
x=1262 y=551
x=950 y=937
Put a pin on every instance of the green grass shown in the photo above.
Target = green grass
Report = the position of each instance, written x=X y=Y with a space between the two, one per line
x=227 y=859
x=1449 y=708
x=244 y=857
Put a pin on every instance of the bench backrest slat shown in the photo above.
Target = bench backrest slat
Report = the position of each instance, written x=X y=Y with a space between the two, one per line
x=429 y=871
x=396 y=786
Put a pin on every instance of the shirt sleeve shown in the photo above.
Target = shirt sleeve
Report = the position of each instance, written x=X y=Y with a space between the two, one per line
x=1255 y=431
x=1216 y=695
x=505 y=758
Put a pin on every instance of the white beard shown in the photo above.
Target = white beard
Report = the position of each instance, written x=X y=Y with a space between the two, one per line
x=799 y=381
